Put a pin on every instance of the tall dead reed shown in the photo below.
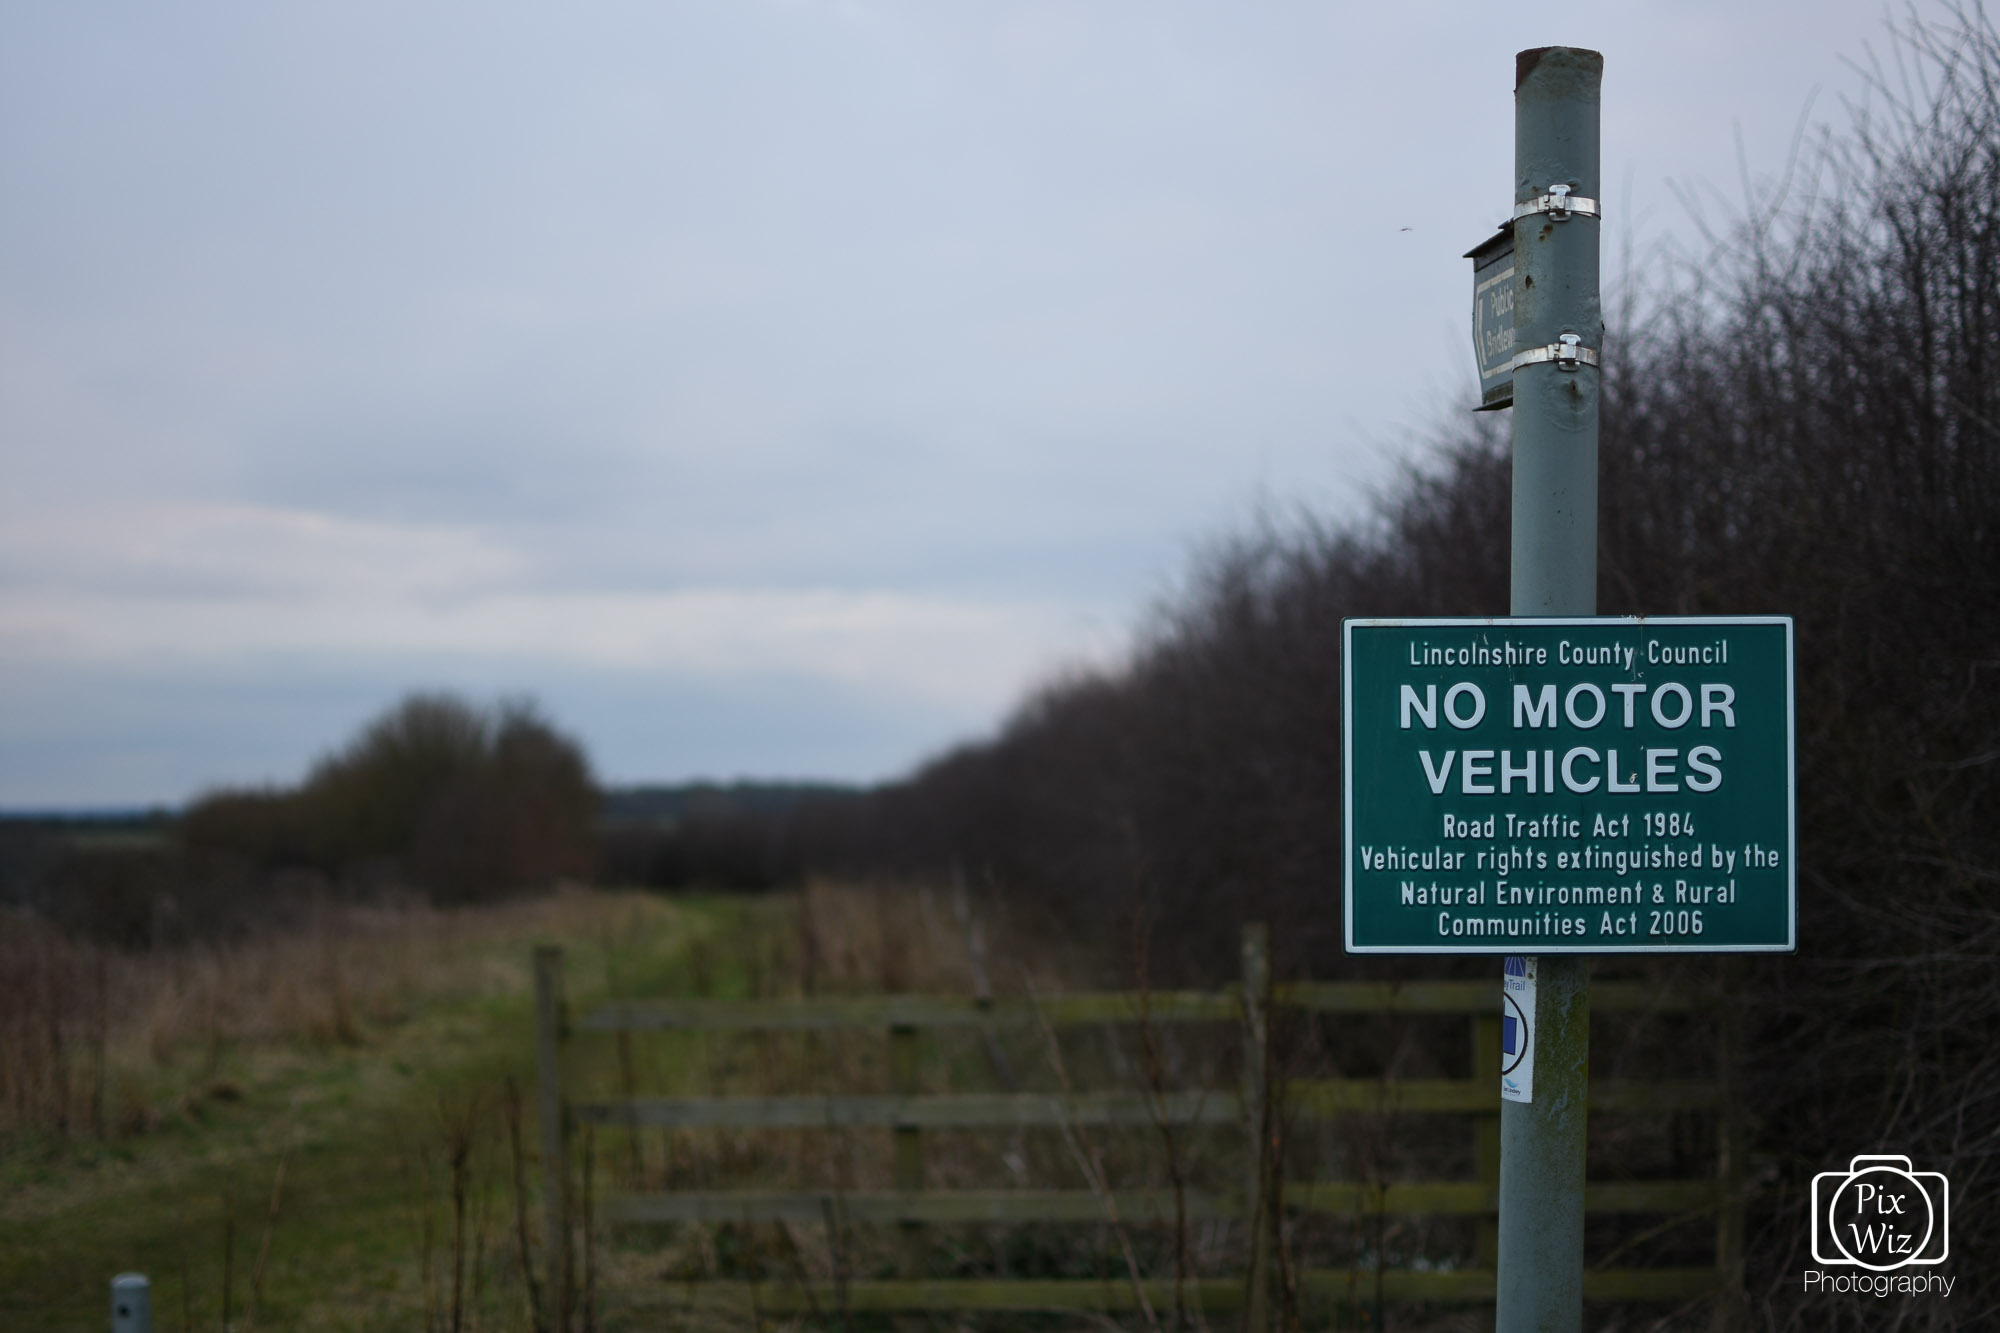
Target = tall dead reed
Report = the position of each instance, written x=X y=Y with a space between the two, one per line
x=55 y=1024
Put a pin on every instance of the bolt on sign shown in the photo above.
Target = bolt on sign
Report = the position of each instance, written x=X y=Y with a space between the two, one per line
x=1589 y=785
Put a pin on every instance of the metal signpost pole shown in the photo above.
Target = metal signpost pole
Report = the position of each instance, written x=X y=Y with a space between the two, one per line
x=1558 y=327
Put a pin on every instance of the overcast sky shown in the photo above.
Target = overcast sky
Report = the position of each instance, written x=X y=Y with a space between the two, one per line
x=770 y=387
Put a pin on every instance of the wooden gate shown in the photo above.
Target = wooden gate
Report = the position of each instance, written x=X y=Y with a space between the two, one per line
x=1252 y=1111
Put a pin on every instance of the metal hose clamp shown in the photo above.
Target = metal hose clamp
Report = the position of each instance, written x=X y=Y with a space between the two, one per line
x=1568 y=352
x=1560 y=205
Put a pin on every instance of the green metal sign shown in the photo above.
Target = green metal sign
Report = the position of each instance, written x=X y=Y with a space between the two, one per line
x=1493 y=318
x=1603 y=785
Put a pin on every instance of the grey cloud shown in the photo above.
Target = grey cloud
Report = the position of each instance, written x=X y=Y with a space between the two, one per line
x=998 y=302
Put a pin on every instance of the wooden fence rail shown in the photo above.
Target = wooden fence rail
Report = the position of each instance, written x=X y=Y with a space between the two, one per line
x=906 y=1114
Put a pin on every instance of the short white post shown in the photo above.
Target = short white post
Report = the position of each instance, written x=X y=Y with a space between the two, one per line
x=131 y=1304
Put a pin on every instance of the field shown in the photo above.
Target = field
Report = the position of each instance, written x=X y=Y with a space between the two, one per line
x=305 y=1131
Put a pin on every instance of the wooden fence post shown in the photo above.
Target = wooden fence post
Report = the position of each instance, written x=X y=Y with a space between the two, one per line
x=909 y=1141
x=1486 y=1143
x=1260 y=1170
x=555 y=1134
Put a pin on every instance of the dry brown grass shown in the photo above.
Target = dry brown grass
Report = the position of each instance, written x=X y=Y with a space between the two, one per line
x=100 y=1042
x=331 y=1146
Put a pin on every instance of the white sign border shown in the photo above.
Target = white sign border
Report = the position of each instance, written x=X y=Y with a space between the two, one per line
x=1513 y=946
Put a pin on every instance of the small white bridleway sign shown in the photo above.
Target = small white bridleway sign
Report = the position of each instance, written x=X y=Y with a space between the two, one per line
x=1517 y=1030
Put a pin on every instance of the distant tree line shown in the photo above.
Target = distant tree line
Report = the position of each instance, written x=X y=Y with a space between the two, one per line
x=740 y=836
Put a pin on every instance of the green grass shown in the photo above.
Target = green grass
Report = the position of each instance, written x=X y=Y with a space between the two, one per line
x=361 y=1131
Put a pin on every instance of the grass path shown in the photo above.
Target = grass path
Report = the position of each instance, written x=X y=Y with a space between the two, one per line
x=363 y=1135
